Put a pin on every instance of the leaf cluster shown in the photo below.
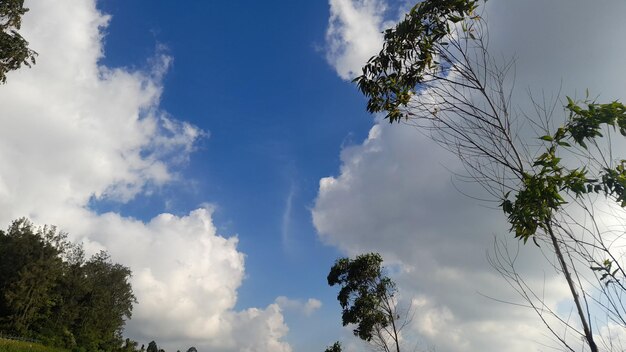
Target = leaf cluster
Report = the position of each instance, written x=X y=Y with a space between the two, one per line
x=541 y=193
x=14 y=50
x=390 y=78
x=608 y=273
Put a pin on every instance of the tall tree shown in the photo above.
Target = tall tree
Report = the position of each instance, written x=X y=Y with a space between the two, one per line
x=48 y=291
x=106 y=304
x=14 y=50
x=367 y=299
x=29 y=269
x=435 y=72
x=152 y=347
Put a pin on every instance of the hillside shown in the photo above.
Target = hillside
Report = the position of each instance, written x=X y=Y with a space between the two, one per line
x=23 y=346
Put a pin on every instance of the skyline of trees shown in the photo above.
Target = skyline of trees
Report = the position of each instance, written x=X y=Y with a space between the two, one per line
x=49 y=290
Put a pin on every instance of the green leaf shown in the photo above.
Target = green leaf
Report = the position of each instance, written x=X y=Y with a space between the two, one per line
x=546 y=138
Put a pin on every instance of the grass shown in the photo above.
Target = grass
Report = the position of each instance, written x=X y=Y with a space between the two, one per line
x=23 y=346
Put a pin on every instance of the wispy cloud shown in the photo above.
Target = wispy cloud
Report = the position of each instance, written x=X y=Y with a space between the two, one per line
x=285 y=228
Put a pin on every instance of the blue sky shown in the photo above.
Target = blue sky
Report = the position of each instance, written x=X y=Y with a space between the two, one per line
x=255 y=77
x=219 y=149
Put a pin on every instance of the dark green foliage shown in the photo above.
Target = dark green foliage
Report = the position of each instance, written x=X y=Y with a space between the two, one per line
x=336 y=347
x=109 y=298
x=129 y=346
x=364 y=293
x=14 y=51
x=48 y=291
x=152 y=347
x=29 y=270
x=192 y=349
x=390 y=78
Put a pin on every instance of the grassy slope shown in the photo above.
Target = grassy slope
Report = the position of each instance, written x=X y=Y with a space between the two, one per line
x=21 y=346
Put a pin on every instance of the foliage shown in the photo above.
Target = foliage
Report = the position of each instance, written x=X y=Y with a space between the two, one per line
x=152 y=347
x=367 y=299
x=129 y=346
x=50 y=292
x=7 y=345
x=363 y=291
x=336 y=347
x=541 y=194
x=409 y=52
x=14 y=51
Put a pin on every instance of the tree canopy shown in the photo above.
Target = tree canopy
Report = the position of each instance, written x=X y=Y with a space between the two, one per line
x=14 y=50
x=367 y=299
x=50 y=292
x=409 y=52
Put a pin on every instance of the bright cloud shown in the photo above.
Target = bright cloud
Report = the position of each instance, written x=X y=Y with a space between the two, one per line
x=354 y=34
x=72 y=130
x=307 y=308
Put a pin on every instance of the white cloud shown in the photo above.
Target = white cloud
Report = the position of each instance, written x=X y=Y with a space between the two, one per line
x=285 y=226
x=572 y=45
x=354 y=34
x=260 y=330
x=307 y=308
x=394 y=196
x=72 y=129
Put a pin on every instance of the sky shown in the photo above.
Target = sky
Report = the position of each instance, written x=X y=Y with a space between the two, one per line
x=219 y=149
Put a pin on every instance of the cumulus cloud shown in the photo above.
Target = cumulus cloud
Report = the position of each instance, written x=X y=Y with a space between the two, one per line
x=307 y=308
x=394 y=196
x=354 y=34
x=393 y=193
x=73 y=130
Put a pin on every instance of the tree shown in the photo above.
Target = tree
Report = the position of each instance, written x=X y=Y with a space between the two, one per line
x=29 y=269
x=152 y=347
x=129 y=346
x=108 y=300
x=435 y=72
x=48 y=290
x=336 y=347
x=14 y=51
x=367 y=299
